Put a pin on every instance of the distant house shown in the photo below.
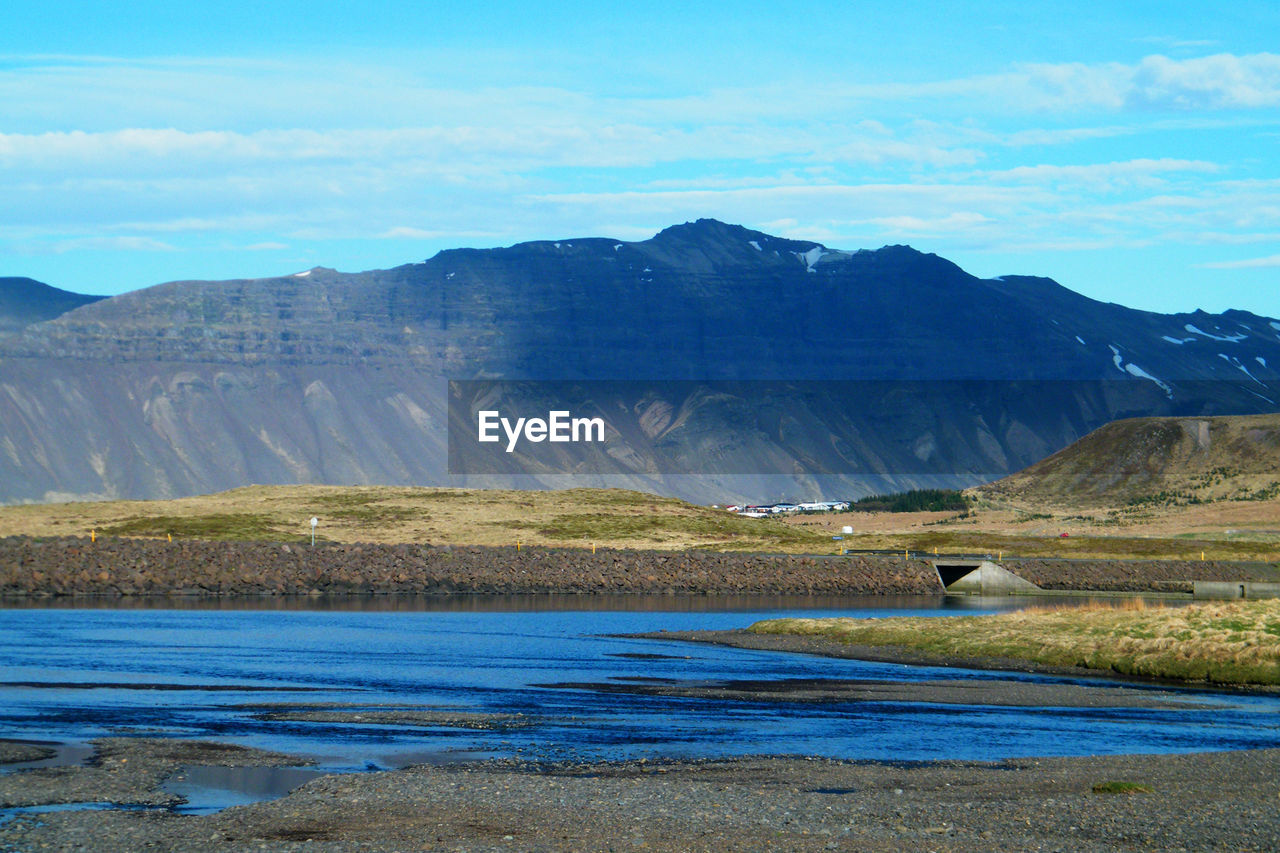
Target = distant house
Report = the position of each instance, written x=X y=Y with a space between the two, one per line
x=763 y=510
x=824 y=506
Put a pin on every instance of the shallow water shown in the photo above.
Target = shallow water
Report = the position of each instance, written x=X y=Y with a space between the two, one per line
x=70 y=675
x=210 y=789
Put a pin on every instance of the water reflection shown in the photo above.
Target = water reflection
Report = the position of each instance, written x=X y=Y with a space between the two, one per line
x=209 y=789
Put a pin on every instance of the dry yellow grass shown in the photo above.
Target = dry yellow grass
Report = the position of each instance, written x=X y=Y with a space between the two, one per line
x=570 y=518
x=1236 y=530
x=1221 y=642
x=624 y=519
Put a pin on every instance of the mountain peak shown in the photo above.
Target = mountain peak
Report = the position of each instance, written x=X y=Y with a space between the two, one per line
x=709 y=244
x=713 y=231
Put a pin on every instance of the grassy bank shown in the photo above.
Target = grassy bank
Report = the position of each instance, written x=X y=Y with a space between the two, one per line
x=578 y=518
x=1074 y=547
x=1226 y=643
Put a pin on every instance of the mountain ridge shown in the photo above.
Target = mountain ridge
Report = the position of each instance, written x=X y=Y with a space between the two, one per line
x=330 y=377
x=25 y=301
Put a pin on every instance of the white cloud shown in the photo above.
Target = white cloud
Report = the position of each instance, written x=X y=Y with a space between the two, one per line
x=407 y=232
x=841 y=201
x=1250 y=263
x=1223 y=81
x=1178 y=43
x=115 y=244
x=1036 y=157
x=1103 y=176
x=233 y=95
x=958 y=221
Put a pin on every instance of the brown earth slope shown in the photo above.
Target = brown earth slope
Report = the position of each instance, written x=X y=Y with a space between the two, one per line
x=1156 y=461
x=1182 y=488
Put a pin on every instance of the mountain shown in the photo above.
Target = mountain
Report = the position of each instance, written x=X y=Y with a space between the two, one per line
x=24 y=301
x=728 y=364
x=1156 y=460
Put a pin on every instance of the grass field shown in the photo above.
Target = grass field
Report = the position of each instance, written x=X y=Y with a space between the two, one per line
x=1227 y=642
x=626 y=519
x=1225 y=531
x=571 y=518
x=1078 y=546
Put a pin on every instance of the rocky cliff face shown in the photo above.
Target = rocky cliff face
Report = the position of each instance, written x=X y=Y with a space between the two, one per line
x=330 y=377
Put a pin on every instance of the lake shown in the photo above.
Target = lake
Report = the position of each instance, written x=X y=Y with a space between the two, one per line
x=205 y=669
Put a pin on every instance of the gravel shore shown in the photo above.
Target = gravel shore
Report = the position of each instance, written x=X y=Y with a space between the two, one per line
x=15 y=753
x=1205 y=801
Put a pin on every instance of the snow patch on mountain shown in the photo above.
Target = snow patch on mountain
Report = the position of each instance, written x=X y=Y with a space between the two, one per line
x=1134 y=370
x=811 y=257
x=1235 y=339
x=1235 y=362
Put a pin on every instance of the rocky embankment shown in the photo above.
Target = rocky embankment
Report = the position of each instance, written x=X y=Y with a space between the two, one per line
x=132 y=567
x=117 y=567
x=1137 y=575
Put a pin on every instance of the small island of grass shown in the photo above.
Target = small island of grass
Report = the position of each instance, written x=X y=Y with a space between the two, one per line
x=1220 y=642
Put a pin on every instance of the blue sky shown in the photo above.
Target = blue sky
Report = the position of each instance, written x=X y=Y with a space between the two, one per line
x=1127 y=151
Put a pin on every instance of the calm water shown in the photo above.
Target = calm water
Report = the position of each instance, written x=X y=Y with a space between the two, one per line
x=479 y=654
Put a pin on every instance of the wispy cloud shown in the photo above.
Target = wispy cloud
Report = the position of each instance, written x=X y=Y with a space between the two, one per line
x=113 y=244
x=1247 y=264
x=1222 y=81
x=1103 y=176
x=232 y=94
x=408 y=232
x=1174 y=43
x=161 y=155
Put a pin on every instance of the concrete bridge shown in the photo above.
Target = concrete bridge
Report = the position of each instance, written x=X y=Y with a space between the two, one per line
x=979 y=577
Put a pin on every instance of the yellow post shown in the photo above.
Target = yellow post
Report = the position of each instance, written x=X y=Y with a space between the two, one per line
x=999 y=556
x=517 y=546
x=593 y=547
x=935 y=550
x=905 y=555
x=93 y=536
x=170 y=535
x=1202 y=556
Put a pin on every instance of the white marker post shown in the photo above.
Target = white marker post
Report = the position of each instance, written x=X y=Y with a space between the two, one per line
x=314 y=522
